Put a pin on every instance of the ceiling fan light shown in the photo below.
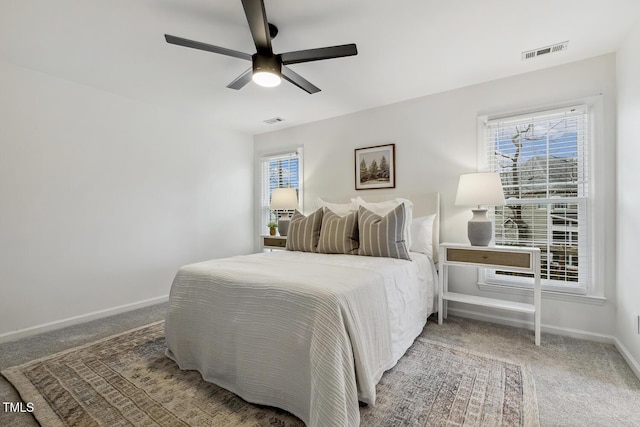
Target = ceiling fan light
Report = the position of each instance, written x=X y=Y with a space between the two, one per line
x=266 y=78
x=266 y=70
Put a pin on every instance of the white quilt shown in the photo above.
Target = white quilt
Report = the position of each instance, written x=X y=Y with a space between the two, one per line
x=308 y=333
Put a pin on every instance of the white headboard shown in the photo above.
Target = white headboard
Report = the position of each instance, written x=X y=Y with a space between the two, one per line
x=423 y=204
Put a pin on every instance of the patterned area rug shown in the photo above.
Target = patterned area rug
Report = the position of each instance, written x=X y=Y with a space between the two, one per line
x=127 y=380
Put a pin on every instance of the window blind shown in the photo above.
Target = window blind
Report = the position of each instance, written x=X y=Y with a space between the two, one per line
x=543 y=162
x=280 y=171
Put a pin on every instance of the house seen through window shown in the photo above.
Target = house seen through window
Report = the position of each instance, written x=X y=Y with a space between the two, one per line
x=543 y=162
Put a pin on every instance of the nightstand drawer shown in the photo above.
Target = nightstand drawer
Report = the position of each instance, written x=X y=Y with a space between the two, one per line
x=489 y=257
x=275 y=242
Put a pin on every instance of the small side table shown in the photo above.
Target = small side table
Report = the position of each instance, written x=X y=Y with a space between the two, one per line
x=510 y=258
x=274 y=242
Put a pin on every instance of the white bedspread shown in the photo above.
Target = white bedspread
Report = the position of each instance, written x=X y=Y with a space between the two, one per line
x=308 y=333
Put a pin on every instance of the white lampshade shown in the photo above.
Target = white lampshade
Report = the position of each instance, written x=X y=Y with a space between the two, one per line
x=284 y=198
x=483 y=188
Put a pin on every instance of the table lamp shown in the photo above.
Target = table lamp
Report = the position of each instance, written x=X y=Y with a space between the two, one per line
x=480 y=189
x=284 y=199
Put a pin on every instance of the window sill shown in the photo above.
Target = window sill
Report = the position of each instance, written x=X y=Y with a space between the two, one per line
x=548 y=294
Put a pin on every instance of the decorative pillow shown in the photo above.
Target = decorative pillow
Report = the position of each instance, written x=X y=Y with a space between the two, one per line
x=382 y=235
x=338 y=235
x=304 y=231
x=340 y=209
x=422 y=235
x=383 y=208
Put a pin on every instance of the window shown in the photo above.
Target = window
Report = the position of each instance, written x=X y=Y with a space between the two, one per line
x=543 y=161
x=281 y=170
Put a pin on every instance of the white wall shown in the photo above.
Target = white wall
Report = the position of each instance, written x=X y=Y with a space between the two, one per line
x=103 y=198
x=628 y=200
x=436 y=141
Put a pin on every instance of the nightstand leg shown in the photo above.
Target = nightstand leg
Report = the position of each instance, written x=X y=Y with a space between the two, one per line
x=445 y=288
x=537 y=298
x=440 y=291
x=442 y=288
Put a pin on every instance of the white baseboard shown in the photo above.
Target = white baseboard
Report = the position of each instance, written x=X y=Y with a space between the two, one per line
x=45 y=327
x=518 y=323
x=626 y=355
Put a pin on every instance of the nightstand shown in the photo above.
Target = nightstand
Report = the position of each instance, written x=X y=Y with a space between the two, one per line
x=508 y=258
x=274 y=242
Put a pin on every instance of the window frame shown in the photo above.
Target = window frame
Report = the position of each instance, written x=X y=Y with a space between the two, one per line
x=593 y=291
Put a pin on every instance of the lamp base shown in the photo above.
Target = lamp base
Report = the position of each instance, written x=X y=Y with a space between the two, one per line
x=479 y=228
x=283 y=225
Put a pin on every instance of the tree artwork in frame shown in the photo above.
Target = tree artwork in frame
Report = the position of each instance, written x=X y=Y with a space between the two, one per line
x=375 y=167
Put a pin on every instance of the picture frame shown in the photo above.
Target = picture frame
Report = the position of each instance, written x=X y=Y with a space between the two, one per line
x=375 y=167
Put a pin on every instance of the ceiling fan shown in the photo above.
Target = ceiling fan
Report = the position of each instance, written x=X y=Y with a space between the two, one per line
x=268 y=68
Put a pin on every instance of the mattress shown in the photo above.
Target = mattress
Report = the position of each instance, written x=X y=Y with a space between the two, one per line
x=309 y=333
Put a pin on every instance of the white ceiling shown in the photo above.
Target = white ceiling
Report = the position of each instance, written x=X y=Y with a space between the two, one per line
x=407 y=49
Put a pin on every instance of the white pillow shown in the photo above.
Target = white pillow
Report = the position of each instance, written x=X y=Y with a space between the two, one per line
x=383 y=208
x=340 y=209
x=422 y=235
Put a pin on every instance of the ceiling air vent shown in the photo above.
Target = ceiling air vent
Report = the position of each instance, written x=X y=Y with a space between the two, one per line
x=274 y=120
x=558 y=47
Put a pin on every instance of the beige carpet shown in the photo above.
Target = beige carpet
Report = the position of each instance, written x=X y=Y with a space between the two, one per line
x=127 y=380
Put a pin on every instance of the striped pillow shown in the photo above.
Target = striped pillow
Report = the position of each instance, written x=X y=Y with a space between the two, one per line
x=338 y=235
x=383 y=235
x=383 y=208
x=304 y=231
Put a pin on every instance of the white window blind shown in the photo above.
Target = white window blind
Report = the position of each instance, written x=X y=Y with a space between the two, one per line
x=279 y=171
x=543 y=161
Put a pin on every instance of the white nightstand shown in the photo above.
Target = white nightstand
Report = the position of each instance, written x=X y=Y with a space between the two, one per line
x=509 y=258
x=274 y=242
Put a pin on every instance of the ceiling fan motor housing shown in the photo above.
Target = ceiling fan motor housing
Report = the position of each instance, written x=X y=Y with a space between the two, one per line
x=266 y=64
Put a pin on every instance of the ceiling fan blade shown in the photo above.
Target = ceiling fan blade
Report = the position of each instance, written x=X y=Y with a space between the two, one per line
x=204 y=46
x=291 y=76
x=257 y=19
x=319 y=54
x=241 y=80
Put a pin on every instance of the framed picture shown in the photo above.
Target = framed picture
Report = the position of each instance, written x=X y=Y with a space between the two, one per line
x=375 y=167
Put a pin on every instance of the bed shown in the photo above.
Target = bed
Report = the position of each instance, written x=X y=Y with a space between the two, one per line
x=311 y=333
